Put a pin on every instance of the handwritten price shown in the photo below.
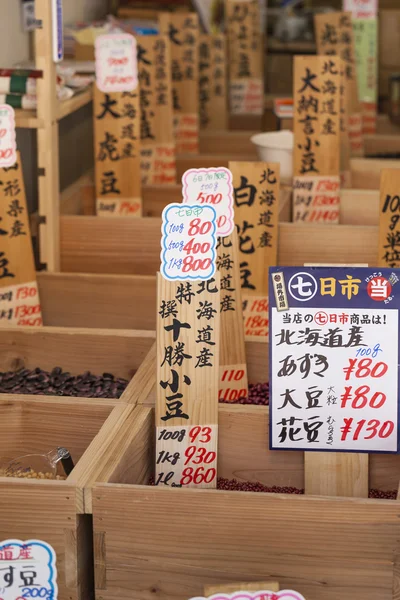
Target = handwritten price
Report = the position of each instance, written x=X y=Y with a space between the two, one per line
x=361 y=368
x=382 y=430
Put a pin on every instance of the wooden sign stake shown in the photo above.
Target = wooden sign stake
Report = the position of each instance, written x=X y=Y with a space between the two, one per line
x=213 y=99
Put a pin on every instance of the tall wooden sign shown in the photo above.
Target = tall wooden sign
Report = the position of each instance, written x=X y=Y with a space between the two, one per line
x=187 y=382
x=213 y=82
x=158 y=164
x=183 y=32
x=335 y=37
x=245 y=57
x=345 y=148
x=19 y=295
x=256 y=191
x=389 y=219
x=233 y=369
x=316 y=168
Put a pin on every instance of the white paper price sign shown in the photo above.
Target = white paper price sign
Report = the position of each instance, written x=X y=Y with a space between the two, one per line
x=188 y=243
x=116 y=63
x=211 y=187
x=8 y=143
x=27 y=570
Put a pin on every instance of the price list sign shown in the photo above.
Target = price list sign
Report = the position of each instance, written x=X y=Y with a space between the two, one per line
x=334 y=347
x=27 y=570
x=213 y=82
x=187 y=382
x=19 y=295
x=158 y=164
x=316 y=184
x=116 y=114
x=256 y=195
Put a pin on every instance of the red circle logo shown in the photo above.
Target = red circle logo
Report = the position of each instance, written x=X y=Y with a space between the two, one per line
x=321 y=318
x=379 y=289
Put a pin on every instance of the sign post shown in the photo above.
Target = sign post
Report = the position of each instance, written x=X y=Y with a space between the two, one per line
x=116 y=116
x=158 y=165
x=389 y=219
x=19 y=295
x=316 y=168
x=335 y=37
x=256 y=192
x=213 y=82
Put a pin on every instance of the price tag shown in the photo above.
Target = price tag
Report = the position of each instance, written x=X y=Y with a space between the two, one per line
x=259 y=595
x=211 y=187
x=27 y=570
x=8 y=142
x=188 y=242
x=116 y=63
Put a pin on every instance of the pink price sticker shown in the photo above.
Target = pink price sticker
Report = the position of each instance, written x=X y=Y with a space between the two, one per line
x=261 y=595
x=8 y=141
x=116 y=63
x=212 y=187
x=361 y=9
x=188 y=242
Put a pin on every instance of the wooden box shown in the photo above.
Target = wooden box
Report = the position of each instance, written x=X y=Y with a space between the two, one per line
x=170 y=543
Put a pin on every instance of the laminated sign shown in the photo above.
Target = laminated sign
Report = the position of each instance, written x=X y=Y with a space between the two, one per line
x=27 y=570
x=334 y=346
x=259 y=595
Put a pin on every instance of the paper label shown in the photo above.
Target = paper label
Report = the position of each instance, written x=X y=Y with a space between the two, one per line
x=247 y=96
x=316 y=199
x=187 y=456
x=8 y=140
x=116 y=63
x=232 y=383
x=261 y=595
x=186 y=131
x=188 y=244
x=334 y=360
x=27 y=570
x=58 y=32
x=361 y=9
x=213 y=187
x=256 y=315
x=158 y=164
x=20 y=305
x=119 y=207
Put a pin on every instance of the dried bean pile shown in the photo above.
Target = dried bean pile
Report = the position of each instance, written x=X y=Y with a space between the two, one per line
x=30 y=474
x=258 y=394
x=60 y=383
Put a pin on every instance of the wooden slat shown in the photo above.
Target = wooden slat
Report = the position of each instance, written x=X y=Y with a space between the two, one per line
x=336 y=474
x=198 y=161
x=227 y=142
x=75 y=350
x=382 y=144
x=366 y=172
x=359 y=207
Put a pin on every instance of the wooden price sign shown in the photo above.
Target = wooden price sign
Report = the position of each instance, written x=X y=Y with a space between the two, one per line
x=187 y=382
x=245 y=52
x=389 y=219
x=19 y=296
x=256 y=194
x=316 y=168
x=158 y=165
x=335 y=37
x=116 y=117
x=345 y=148
x=213 y=82
x=365 y=26
x=183 y=32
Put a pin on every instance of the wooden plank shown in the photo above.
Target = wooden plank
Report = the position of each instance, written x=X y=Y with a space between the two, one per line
x=199 y=161
x=233 y=382
x=336 y=474
x=389 y=216
x=91 y=245
x=183 y=31
x=366 y=172
x=187 y=381
x=316 y=155
x=359 y=207
x=230 y=588
x=213 y=100
x=19 y=298
x=116 y=122
x=379 y=143
x=102 y=301
x=75 y=350
x=245 y=57
x=230 y=143
x=158 y=163
x=77 y=101
x=359 y=558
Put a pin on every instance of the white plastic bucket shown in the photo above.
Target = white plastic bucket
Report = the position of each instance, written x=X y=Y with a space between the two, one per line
x=277 y=146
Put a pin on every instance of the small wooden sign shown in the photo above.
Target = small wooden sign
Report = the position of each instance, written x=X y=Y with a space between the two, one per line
x=188 y=320
x=213 y=98
x=183 y=33
x=245 y=57
x=233 y=369
x=345 y=149
x=256 y=193
x=316 y=168
x=158 y=164
x=19 y=295
x=117 y=153
x=389 y=219
x=335 y=37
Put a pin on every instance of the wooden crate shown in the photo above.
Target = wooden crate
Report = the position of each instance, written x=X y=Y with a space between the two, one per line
x=75 y=350
x=170 y=543
x=52 y=511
